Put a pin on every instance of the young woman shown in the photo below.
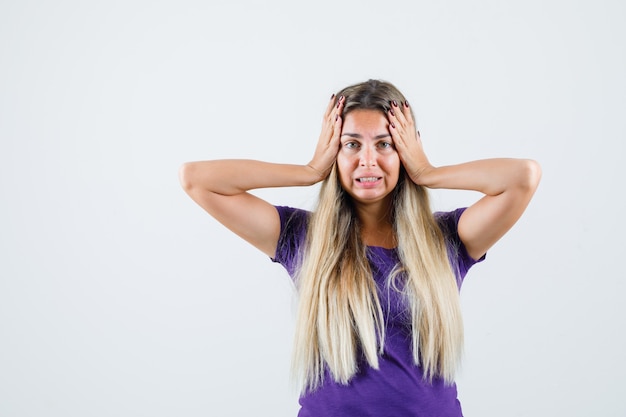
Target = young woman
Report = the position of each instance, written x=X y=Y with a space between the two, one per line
x=379 y=329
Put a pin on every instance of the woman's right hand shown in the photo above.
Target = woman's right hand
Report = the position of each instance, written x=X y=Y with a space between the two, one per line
x=328 y=143
x=221 y=186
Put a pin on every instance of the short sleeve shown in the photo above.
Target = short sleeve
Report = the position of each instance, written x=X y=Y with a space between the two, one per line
x=460 y=260
x=293 y=228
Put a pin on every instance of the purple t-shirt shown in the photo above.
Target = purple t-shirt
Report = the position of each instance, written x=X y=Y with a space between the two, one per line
x=397 y=388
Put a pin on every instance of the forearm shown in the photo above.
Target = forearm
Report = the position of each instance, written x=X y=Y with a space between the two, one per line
x=488 y=176
x=235 y=176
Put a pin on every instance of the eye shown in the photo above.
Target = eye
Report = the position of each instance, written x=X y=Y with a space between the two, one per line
x=351 y=145
x=385 y=145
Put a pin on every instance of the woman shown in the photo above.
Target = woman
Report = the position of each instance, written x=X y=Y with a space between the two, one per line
x=379 y=329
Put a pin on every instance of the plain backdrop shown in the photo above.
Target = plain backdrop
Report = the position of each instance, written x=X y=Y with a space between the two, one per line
x=120 y=297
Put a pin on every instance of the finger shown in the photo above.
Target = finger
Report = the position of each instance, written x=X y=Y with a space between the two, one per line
x=338 y=107
x=331 y=125
x=402 y=115
x=330 y=107
x=406 y=113
x=337 y=128
x=334 y=133
x=393 y=126
x=333 y=112
x=400 y=135
x=395 y=123
x=336 y=111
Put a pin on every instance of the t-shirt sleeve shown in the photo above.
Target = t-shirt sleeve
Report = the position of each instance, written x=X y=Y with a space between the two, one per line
x=460 y=260
x=293 y=227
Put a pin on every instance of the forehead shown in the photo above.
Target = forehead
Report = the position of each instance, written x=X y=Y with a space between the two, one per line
x=365 y=121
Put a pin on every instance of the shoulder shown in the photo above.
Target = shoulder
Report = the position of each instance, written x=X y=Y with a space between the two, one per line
x=448 y=221
x=292 y=219
x=460 y=260
x=293 y=228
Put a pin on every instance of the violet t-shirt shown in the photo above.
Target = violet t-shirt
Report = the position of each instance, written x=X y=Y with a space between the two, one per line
x=397 y=388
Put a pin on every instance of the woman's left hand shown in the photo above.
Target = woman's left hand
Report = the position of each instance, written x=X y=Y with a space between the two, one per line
x=407 y=141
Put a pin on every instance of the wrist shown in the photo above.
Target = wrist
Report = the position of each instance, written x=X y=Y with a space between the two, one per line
x=316 y=174
x=424 y=175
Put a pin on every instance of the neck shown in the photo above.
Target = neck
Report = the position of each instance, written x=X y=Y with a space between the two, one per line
x=376 y=225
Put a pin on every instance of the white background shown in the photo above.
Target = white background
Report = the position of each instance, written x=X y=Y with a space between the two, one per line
x=120 y=297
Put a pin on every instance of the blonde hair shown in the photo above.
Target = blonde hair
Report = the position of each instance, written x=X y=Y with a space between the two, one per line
x=339 y=309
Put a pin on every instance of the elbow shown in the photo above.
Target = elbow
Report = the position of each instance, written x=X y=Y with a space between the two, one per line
x=530 y=175
x=186 y=176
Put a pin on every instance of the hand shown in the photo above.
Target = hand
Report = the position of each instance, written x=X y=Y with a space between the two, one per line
x=407 y=141
x=328 y=143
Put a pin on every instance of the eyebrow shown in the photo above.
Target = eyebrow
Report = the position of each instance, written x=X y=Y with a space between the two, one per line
x=359 y=136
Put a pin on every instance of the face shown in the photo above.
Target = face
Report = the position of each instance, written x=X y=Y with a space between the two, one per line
x=368 y=163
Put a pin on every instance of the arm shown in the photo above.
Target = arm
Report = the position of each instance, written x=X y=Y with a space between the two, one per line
x=508 y=185
x=221 y=187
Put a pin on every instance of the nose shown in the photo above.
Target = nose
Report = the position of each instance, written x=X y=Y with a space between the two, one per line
x=367 y=157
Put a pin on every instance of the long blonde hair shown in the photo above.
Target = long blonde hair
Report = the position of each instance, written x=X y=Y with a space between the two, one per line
x=339 y=310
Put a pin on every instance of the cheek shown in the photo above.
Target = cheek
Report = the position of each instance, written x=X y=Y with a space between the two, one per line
x=394 y=167
x=343 y=162
x=344 y=169
x=393 y=163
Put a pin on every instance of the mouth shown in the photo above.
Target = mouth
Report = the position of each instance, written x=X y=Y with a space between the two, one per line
x=365 y=180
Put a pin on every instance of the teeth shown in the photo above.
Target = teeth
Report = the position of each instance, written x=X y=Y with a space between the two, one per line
x=368 y=179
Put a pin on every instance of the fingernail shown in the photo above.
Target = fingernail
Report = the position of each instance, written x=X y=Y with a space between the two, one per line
x=333 y=96
x=391 y=111
x=406 y=103
x=392 y=125
x=336 y=117
x=395 y=103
